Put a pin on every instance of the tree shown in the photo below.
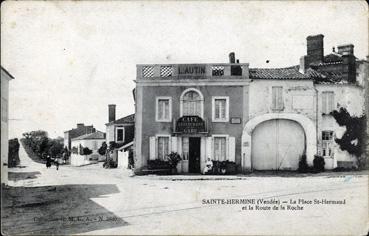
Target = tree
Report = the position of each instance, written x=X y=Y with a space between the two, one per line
x=86 y=151
x=102 y=149
x=354 y=140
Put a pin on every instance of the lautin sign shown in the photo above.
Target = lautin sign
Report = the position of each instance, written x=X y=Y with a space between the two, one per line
x=190 y=125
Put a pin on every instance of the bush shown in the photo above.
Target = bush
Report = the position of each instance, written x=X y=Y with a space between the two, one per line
x=303 y=166
x=173 y=159
x=318 y=163
x=86 y=151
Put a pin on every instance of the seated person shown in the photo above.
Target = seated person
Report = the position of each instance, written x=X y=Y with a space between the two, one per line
x=208 y=166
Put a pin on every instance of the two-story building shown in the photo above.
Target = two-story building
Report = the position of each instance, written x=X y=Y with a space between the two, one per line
x=196 y=110
x=121 y=132
x=259 y=118
x=5 y=78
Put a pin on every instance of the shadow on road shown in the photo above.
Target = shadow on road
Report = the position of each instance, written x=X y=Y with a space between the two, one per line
x=16 y=176
x=66 y=209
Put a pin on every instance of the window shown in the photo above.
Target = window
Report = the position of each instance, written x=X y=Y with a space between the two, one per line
x=192 y=103
x=163 y=147
x=119 y=134
x=220 y=109
x=327 y=102
x=185 y=148
x=220 y=148
x=163 y=109
x=327 y=142
x=277 y=96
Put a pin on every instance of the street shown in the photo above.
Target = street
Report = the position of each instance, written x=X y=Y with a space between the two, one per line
x=93 y=200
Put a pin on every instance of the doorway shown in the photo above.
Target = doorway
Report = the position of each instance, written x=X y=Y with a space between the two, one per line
x=194 y=155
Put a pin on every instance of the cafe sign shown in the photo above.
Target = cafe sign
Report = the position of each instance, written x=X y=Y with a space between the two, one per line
x=191 y=69
x=190 y=125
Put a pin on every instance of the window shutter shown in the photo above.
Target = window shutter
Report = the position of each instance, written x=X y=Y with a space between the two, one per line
x=331 y=102
x=274 y=97
x=152 y=148
x=280 y=98
x=232 y=149
x=324 y=102
x=209 y=154
x=174 y=144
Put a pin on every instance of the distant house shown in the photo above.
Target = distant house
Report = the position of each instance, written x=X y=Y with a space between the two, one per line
x=5 y=78
x=76 y=132
x=120 y=131
x=91 y=141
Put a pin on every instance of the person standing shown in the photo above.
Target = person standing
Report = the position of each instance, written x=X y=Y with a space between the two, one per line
x=57 y=163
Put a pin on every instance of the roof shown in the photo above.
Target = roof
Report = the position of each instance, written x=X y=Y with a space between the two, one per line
x=326 y=77
x=95 y=135
x=127 y=119
x=6 y=72
x=277 y=73
x=333 y=57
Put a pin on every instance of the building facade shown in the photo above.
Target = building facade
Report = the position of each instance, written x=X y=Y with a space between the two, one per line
x=92 y=141
x=120 y=131
x=196 y=110
x=76 y=132
x=259 y=118
x=5 y=78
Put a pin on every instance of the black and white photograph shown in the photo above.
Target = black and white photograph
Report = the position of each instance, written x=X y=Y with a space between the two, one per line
x=184 y=117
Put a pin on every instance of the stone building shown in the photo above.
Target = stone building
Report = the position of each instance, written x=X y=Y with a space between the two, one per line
x=259 y=118
x=120 y=131
x=5 y=78
x=76 y=132
x=197 y=110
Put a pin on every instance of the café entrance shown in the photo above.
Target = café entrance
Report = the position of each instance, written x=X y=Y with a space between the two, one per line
x=194 y=154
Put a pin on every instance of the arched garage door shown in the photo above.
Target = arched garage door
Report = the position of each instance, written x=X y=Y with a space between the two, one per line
x=277 y=145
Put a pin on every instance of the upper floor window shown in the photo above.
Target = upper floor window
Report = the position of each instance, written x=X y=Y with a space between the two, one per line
x=277 y=98
x=164 y=109
x=327 y=102
x=220 y=107
x=192 y=103
x=119 y=134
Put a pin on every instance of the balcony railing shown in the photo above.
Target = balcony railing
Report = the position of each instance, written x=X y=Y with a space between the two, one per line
x=187 y=71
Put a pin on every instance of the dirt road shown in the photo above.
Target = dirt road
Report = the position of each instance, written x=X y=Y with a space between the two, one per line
x=93 y=200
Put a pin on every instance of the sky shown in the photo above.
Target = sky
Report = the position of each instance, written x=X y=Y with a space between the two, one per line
x=70 y=59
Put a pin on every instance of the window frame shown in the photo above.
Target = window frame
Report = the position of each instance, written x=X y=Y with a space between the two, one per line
x=226 y=136
x=116 y=133
x=326 y=109
x=157 y=118
x=201 y=101
x=327 y=144
x=276 y=107
x=157 y=145
x=226 y=119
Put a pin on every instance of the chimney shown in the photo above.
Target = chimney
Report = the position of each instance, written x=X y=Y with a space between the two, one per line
x=315 y=48
x=111 y=116
x=80 y=125
x=349 y=67
x=303 y=66
x=232 y=57
x=347 y=49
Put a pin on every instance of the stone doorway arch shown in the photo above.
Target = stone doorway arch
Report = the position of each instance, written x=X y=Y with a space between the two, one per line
x=305 y=122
